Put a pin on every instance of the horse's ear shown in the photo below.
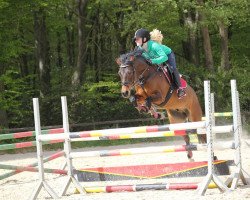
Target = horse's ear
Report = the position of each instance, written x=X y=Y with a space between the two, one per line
x=118 y=61
x=131 y=58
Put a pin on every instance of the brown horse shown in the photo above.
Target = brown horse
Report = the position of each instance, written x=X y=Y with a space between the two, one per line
x=151 y=86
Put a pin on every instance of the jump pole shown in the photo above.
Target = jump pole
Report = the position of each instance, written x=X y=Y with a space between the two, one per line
x=32 y=169
x=67 y=149
x=138 y=130
x=21 y=145
x=47 y=159
x=211 y=176
x=212 y=109
x=28 y=134
x=237 y=124
x=142 y=187
x=42 y=182
x=147 y=150
x=76 y=136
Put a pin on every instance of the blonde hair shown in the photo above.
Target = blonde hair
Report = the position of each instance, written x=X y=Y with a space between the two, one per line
x=156 y=36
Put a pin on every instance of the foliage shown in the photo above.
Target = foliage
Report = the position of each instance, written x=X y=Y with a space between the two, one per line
x=102 y=102
x=109 y=25
x=15 y=99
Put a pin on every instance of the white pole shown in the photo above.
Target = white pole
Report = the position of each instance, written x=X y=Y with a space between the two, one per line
x=143 y=129
x=237 y=125
x=212 y=109
x=211 y=175
x=67 y=149
x=42 y=182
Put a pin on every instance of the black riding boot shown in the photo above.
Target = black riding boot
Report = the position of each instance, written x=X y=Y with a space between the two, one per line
x=180 y=91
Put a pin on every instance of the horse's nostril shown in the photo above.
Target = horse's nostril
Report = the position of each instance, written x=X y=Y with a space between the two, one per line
x=125 y=94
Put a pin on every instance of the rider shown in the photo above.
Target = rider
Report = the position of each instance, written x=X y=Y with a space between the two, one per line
x=157 y=53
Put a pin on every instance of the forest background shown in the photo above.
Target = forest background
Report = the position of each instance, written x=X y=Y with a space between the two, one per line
x=50 y=49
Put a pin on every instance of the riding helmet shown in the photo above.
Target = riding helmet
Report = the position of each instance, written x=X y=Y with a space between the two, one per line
x=142 y=33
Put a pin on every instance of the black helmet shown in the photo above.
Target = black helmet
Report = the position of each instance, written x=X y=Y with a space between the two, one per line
x=142 y=33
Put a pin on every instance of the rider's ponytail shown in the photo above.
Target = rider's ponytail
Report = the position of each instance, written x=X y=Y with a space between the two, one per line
x=156 y=36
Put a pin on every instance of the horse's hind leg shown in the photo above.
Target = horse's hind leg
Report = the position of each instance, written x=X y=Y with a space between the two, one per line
x=195 y=115
x=180 y=117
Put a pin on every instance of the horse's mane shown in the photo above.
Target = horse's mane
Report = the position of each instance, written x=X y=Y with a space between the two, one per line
x=137 y=53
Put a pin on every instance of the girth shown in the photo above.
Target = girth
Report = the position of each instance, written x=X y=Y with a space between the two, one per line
x=170 y=90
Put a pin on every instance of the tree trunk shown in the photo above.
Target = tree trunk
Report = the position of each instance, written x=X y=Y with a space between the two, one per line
x=70 y=39
x=42 y=47
x=59 y=61
x=24 y=65
x=122 y=39
x=96 y=32
x=191 y=47
x=23 y=57
x=43 y=61
x=70 y=46
x=225 y=64
x=79 y=70
x=206 y=40
x=59 y=51
x=3 y=118
x=207 y=48
x=3 y=113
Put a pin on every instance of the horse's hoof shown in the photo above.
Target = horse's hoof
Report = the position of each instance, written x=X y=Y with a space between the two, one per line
x=142 y=109
x=156 y=115
x=190 y=155
x=215 y=158
x=191 y=160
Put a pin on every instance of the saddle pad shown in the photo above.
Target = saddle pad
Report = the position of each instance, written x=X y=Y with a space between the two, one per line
x=183 y=83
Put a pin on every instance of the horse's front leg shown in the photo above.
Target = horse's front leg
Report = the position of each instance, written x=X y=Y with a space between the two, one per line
x=138 y=102
x=139 y=99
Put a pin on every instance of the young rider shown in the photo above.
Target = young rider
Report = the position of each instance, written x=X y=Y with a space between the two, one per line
x=157 y=53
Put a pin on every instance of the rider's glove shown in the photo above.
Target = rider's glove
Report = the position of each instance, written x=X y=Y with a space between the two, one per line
x=150 y=62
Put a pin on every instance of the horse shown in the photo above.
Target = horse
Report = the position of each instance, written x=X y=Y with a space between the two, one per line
x=153 y=89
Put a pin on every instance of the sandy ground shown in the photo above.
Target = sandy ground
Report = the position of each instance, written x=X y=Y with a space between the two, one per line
x=20 y=186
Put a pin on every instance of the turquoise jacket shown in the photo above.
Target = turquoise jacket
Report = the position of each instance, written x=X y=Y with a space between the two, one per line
x=156 y=52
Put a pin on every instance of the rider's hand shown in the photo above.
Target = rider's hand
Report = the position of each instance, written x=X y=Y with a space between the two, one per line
x=138 y=51
x=149 y=62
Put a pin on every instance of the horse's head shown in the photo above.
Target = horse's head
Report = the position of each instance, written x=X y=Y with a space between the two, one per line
x=130 y=67
x=126 y=73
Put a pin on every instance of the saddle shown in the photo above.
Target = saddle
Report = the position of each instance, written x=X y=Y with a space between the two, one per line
x=168 y=72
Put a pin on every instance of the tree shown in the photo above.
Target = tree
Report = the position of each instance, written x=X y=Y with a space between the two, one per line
x=3 y=113
x=209 y=63
x=223 y=29
x=43 y=58
x=78 y=74
x=189 y=18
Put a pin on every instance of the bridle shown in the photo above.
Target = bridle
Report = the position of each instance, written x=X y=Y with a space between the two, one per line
x=137 y=80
